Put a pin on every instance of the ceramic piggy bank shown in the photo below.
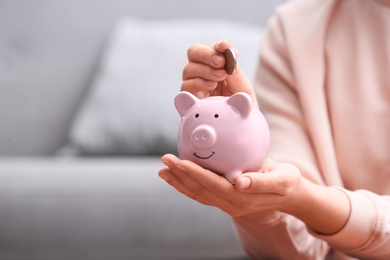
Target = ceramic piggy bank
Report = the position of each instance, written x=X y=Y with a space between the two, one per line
x=226 y=135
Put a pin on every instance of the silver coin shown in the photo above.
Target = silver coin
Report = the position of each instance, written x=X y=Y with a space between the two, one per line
x=230 y=61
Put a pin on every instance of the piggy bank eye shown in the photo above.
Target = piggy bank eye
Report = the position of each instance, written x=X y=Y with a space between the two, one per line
x=197 y=115
x=216 y=115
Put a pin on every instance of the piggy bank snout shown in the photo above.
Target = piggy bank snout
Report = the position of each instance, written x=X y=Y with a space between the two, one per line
x=203 y=137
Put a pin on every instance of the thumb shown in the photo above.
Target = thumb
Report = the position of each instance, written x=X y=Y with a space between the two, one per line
x=253 y=182
x=278 y=181
x=239 y=82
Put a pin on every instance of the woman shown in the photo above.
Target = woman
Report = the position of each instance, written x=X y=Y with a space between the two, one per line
x=324 y=87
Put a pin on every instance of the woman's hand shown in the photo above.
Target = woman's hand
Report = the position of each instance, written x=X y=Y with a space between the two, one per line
x=205 y=76
x=278 y=186
x=271 y=189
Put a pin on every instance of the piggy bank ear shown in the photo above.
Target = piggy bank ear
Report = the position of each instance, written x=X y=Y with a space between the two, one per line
x=242 y=103
x=183 y=101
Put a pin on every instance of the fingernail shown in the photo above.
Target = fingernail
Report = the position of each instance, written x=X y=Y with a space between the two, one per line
x=245 y=183
x=216 y=59
x=164 y=177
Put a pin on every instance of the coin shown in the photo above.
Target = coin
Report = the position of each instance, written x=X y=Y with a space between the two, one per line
x=230 y=61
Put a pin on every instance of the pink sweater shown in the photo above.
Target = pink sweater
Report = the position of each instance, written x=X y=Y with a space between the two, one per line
x=324 y=87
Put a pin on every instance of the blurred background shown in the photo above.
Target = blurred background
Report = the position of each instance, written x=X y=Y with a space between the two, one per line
x=86 y=111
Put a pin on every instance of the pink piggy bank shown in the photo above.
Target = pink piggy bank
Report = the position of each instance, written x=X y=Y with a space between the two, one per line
x=226 y=135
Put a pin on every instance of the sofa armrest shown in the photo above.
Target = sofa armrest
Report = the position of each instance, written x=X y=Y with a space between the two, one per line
x=104 y=208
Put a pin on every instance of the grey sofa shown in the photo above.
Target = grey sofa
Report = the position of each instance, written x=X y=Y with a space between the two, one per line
x=86 y=111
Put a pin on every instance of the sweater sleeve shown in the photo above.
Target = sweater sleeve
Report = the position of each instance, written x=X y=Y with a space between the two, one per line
x=361 y=236
x=278 y=236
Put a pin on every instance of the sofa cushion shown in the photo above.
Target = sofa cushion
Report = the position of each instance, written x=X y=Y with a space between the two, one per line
x=104 y=208
x=129 y=109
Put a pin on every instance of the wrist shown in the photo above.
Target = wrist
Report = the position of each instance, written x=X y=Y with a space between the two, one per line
x=299 y=202
x=323 y=209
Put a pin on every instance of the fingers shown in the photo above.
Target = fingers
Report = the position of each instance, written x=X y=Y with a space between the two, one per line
x=207 y=55
x=212 y=56
x=201 y=195
x=193 y=176
x=167 y=175
x=195 y=70
x=209 y=180
x=205 y=67
x=201 y=76
x=195 y=182
x=204 y=75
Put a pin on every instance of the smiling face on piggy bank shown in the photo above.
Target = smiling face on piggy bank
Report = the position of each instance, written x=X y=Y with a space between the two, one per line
x=226 y=135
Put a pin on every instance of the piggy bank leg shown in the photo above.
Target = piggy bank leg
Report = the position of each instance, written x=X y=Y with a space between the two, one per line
x=232 y=175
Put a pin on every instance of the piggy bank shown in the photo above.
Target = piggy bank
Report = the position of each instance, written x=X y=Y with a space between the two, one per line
x=226 y=135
